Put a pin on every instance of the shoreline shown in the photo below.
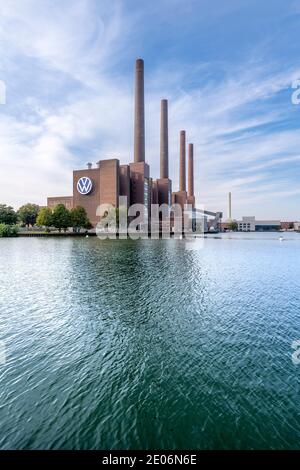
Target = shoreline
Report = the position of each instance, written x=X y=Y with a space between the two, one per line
x=228 y=235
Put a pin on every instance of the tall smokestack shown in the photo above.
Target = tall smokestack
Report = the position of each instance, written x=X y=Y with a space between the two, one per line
x=139 y=114
x=229 y=205
x=191 y=170
x=164 y=140
x=182 y=185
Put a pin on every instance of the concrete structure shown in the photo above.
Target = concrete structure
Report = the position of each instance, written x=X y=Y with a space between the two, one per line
x=229 y=206
x=249 y=224
x=162 y=187
x=182 y=182
x=139 y=113
x=180 y=197
x=191 y=171
x=164 y=140
x=191 y=196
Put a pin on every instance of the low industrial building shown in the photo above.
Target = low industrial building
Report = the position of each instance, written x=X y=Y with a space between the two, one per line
x=250 y=224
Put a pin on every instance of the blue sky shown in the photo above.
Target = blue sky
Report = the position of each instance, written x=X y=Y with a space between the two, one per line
x=227 y=68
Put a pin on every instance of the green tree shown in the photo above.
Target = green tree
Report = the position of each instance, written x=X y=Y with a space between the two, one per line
x=61 y=218
x=79 y=218
x=8 y=230
x=7 y=215
x=28 y=214
x=233 y=226
x=44 y=218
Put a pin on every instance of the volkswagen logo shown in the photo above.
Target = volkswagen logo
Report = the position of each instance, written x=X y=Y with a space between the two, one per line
x=84 y=185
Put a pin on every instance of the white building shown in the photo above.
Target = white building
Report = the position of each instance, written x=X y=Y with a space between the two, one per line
x=249 y=224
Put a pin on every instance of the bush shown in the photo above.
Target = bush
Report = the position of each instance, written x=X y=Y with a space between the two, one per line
x=8 y=230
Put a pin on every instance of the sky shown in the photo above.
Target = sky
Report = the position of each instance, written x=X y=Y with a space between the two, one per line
x=226 y=67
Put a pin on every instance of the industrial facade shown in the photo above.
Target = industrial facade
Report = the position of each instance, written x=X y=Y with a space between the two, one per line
x=109 y=179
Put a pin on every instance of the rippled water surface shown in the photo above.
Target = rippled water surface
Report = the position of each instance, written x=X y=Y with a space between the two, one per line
x=147 y=344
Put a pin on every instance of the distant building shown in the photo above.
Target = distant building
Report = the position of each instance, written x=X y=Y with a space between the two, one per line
x=67 y=201
x=250 y=224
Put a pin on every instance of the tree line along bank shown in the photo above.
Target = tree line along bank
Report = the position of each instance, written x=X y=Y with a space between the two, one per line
x=32 y=215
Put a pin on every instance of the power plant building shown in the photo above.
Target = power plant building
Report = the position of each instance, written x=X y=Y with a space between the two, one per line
x=104 y=183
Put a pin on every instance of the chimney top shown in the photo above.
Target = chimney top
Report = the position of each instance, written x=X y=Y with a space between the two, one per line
x=139 y=113
x=164 y=144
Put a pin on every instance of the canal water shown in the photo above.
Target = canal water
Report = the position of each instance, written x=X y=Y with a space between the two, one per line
x=150 y=344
